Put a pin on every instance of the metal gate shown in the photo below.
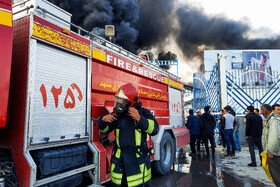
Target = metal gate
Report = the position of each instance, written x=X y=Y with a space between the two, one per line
x=245 y=88
x=238 y=88
x=206 y=92
x=242 y=89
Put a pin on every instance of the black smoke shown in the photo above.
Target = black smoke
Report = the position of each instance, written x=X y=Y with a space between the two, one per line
x=147 y=24
x=93 y=15
x=155 y=23
x=197 y=29
x=167 y=56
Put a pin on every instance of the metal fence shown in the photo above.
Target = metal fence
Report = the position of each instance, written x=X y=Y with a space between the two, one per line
x=247 y=88
x=243 y=88
x=206 y=92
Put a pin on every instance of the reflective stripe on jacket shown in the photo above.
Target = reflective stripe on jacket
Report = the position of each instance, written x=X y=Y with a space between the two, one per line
x=130 y=152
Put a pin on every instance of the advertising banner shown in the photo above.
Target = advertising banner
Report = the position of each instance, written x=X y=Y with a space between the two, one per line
x=257 y=68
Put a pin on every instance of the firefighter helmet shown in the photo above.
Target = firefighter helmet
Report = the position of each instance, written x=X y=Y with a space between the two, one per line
x=128 y=92
x=126 y=96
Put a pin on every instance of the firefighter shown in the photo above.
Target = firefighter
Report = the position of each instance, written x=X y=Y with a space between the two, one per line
x=130 y=162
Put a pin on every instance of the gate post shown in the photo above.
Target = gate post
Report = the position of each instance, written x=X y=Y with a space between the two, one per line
x=222 y=80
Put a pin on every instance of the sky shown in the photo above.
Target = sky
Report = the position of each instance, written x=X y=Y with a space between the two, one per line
x=258 y=12
x=261 y=16
x=181 y=29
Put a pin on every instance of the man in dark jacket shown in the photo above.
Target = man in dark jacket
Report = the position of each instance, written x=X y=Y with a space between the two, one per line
x=222 y=128
x=130 y=162
x=192 y=125
x=253 y=134
x=207 y=125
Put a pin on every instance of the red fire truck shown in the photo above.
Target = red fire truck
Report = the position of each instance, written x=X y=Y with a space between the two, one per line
x=55 y=84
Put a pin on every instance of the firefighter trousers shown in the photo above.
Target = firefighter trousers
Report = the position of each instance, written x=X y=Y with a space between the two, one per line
x=129 y=167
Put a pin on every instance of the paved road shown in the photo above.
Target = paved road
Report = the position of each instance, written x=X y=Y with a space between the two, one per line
x=215 y=171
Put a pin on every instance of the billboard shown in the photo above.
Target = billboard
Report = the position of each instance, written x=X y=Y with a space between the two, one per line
x=253 y=67
x=257 y=68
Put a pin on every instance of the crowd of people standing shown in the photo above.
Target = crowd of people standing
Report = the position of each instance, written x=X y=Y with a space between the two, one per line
x=262 y=132
x=202 y=128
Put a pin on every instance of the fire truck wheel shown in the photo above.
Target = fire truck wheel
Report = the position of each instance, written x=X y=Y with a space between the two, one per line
x=167 y=149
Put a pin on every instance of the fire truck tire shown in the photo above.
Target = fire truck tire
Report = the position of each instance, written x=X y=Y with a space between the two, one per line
x=167 y=148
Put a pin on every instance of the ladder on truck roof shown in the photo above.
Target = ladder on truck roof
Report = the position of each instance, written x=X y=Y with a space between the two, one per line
x=114 y=47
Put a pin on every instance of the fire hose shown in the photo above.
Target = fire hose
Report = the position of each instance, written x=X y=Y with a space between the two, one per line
x=7 y=174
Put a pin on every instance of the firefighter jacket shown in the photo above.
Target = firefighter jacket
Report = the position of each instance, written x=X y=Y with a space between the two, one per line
x=130 y=154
